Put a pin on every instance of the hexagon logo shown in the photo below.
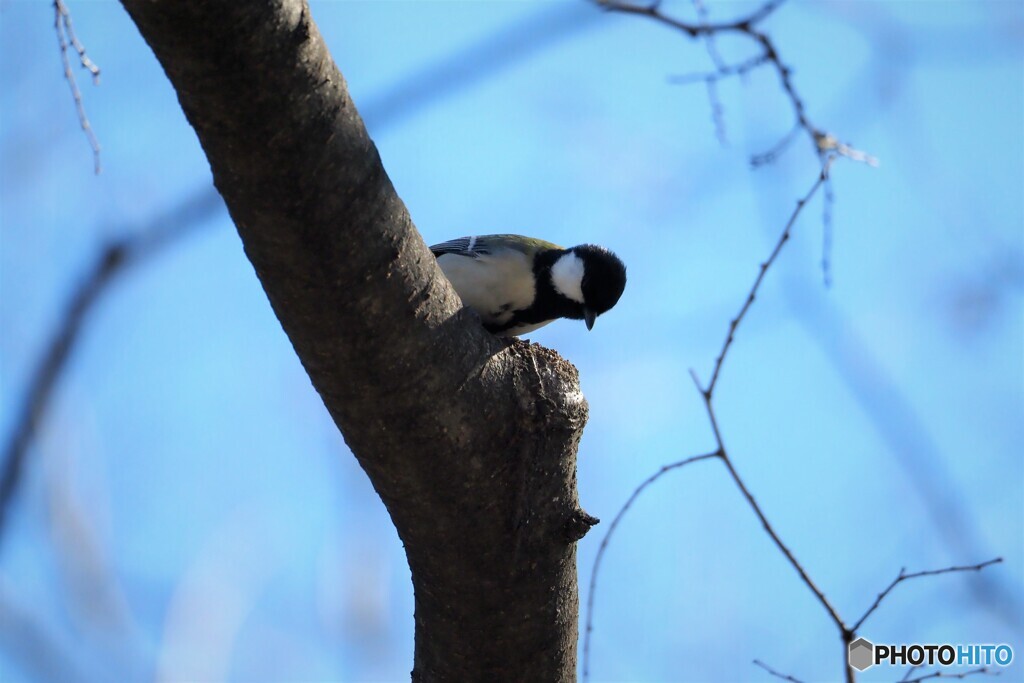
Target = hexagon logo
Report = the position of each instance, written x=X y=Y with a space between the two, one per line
x=862 y=654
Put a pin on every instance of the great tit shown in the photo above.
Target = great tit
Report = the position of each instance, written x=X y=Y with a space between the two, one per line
x=517 y=284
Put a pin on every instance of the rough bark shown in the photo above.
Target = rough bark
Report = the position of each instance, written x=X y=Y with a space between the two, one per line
x=469 y=440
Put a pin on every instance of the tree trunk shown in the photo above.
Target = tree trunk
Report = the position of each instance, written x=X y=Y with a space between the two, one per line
x=470 y=440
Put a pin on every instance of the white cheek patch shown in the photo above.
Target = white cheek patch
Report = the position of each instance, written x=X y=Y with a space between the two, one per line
x=567 y=277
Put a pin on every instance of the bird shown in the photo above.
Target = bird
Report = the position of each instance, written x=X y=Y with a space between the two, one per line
x=518 y=284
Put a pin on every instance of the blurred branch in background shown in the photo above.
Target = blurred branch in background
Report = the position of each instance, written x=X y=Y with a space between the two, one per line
x=231 y=570
x=895 y=49
x=467 y=67
x=776 y=674
x=32 y=643
x=134 y=248
x=96 y=602
x=909 y=440
x=721 y=69
x=65 y=34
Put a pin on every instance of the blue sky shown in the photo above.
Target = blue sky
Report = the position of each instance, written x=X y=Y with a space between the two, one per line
x=192 y=514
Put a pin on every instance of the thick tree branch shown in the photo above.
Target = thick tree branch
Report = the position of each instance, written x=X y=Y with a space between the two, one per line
x=433 y=81
x=469 y=440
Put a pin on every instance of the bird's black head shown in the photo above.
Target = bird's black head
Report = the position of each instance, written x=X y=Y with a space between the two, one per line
x=604 y=279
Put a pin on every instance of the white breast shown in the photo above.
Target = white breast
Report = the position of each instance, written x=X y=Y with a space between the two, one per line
x=494 y=285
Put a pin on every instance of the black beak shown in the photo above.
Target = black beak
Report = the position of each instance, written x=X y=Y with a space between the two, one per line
x=590 y=317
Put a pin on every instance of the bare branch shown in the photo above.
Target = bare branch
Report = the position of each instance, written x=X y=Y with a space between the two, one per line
x=765 y=10
x=903 y=576
x=33 y=644
x=717 y=110
x=826 y=233
x=768 y=54
x=707 y=393
x=773 y=672
x=826 y=147
x=910 y=672
x=818 y=593
x=709 y=38
x=823 y=142
x=983 y=671
x=783 y=238
x=721 y=72
x=65 y=32
x=770 y=155
x=87 y=63
x=693 y=30
x=665 y=469
x=829 y=143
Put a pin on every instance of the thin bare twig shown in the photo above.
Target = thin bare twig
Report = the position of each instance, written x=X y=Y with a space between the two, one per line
x=83 y=57
x=768 y=54
x=826 y=233
x=773 y=672
x=903 y=576
x=983 y=671
x=65 y=33
x=709 y=38
x=804 y=576
x=720 y=453
x=591 y=591
x=829 y=143
x=653 y=11
x=725 y=71
x=823 y=143
x=114 y=259
x=783 y=238
x=910 y=672
x=770 y=155
x=717 y=110
x=826 y=147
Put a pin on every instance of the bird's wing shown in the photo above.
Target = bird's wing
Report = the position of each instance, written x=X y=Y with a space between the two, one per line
x=463 y=246
x=479 y=245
